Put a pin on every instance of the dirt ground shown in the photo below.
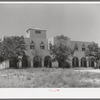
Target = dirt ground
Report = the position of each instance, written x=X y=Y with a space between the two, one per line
x=49 y=78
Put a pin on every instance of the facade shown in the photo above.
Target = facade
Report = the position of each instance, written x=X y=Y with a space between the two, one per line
x=37 y=51
x=37 y=48
x=79 y=57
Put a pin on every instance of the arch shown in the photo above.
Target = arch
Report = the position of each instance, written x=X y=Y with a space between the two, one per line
x=47 y=61
x=24 y=61
x=13 y=62
x=75 y=62
x=37 y=61
x=83 y=62
x=92 y=62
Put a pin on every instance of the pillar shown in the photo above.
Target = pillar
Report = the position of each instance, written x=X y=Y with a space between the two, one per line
x=71 y=64
x=31 y=63
x=94 y=64
x=87 y=63
x=79 y=63
x=97 y=64
x=20 y=63
x=42 y=62
x=7 y=64
x=90 y=63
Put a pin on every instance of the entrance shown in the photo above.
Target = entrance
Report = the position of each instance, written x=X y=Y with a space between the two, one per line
x=47 y=61
x=83 y=62
x=75 y=62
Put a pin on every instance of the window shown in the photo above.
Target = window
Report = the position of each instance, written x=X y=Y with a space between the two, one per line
x=83 y=47
x=76 y=47
x=32 y=45
x=37 y=31
x=42 y=46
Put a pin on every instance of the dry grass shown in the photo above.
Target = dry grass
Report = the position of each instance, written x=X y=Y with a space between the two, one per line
x=47 y=78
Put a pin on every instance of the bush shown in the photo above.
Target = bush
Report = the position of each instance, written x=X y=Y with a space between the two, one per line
x=66 y=65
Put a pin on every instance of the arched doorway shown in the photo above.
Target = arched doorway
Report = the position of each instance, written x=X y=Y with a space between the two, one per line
x=83 y=62
x=13 y=63
x=92 y=62
x=75 y=62
x=47 y=61
x=24 y=61
x=37 y=62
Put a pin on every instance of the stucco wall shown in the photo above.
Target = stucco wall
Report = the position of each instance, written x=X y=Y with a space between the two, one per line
x=79 y=54
x=37 y=42
x=79 y=43
x=32 y=33
x=37 y=38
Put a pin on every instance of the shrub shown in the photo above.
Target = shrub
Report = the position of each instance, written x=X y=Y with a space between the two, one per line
x=66 y=65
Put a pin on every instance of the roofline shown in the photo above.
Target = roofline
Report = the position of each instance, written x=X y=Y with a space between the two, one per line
x=81 y=41
x=34 y=29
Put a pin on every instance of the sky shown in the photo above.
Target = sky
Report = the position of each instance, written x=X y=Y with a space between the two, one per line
x=80 y=22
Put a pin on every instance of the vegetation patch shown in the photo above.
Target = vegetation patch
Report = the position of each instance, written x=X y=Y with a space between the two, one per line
x=48 y=78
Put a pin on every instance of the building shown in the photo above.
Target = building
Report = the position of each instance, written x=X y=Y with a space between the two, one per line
x=37 y=48
x=37 y=51
x=79 y=58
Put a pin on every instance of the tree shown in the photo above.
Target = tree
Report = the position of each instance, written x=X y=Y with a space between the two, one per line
x=94 y=50
x=12 y=47
x=93 y=47
x=60 y=52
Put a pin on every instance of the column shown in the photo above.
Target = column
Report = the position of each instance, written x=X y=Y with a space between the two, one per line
x=42 y=62
x=87 y=63
x=79 y=63
x=90 y=63
x=7 y=64
x=31 y=63
x=95 y=64
x=71 y=63
x=20 y=63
